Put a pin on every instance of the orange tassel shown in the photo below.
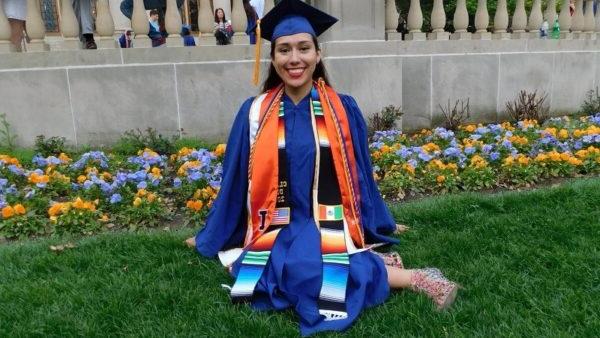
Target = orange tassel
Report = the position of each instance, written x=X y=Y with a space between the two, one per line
x=256 y=76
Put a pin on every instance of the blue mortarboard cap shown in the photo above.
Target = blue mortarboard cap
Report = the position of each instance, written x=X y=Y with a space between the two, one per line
x=291 y=17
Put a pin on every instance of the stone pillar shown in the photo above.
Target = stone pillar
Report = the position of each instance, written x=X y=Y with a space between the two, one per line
x=535 y=19
x=438 y=22
x=564 y=20
x=105 y=26
x=482 y=20
x=415 y=21
x=578 y=21
x=239 y=23
x=173 y=24
x=550 y=13
x=359 y=19
x=35 y=27
x=140 y=25
x=5 y=44
x=121 y=21
x=519 y=21
x=391 y=21
x=269 y=4
x=205 y=24
x=589 y=24
x=501 y=21
x=461 y=22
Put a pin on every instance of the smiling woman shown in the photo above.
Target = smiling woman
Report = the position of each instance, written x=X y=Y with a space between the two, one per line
x=299 y=213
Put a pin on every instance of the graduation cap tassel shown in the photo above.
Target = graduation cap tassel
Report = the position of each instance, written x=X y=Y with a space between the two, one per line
x=256 y=76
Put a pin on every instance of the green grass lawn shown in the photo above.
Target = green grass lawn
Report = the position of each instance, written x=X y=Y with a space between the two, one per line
x=529 y=264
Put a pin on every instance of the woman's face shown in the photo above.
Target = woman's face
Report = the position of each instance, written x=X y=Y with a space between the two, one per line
x=295 y=58
x=220 y=14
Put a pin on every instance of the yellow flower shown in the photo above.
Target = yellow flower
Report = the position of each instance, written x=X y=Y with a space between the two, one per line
x=563 y=134
x=194 y=205
x=409 y=168
x=79 y=204
x=137 y=201
x=55 y=210
x=575 y=161
x=509 y=160
x=220 y=149
x=430 y=147
x=184 y=151
x=91 y=170
x=440 y=179
x=151 y=197
x=554 y=156
x=478 y=162
x=106 y=176
x=8 y=212
x=81 y=179
x=141 y=193
x=385 y=149
x=565 y=157
x=104 y=218
x=541 y=157
x=470 y=128
x=37 y=178
x=19 y=209
x=64 y=157
x=523 y=160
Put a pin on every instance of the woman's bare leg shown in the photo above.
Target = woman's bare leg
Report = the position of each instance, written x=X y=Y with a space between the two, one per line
x=16 y=28
x=398 y=278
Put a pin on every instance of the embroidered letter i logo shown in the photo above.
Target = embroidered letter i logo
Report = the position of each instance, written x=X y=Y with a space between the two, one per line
x=262 y=213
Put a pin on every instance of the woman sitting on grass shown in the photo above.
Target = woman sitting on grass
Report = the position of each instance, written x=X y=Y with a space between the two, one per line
x=298 y=192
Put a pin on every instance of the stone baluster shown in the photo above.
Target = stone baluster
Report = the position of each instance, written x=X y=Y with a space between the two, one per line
x=501 y=21
x=69 y=28
x=140 y=25
x=461 y=22
x=269 y=4
x=415 y=21
x=438 y=22
x=35 y=27
x=239 y=23
x=105 y=25
x=482 y=20
x=550 y=13
x=519 y=21
x=535 y=19
x=589 y=23
x=564 y=20
x=391 y=21
x=173 y=24
x=578 y=21
x=205 y=24
x=5 y=43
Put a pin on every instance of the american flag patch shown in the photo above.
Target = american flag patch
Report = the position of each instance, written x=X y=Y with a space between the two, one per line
x=281 y=216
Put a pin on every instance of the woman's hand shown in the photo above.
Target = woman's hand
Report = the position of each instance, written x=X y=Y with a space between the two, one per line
x=401 y=228
x=190 y=242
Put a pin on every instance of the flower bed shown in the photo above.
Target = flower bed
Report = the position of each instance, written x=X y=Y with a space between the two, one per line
x=99 y=191
x=478 y=157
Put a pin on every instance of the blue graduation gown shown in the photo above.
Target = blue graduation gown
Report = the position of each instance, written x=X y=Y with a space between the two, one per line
x=293 y=275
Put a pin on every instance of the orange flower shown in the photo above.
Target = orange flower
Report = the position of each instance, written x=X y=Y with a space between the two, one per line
x=79 y=204
x=220 y=149
x=151 y=197
x=194 y=205
x=470 y=128
x=104 y=218
x=440 y=179
x=19 y=209
x=8 y=212
x=63 y=157
x=141 y=193
x=55 y=210
x=81 y=179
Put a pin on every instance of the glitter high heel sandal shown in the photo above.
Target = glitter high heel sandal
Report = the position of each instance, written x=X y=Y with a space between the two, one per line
x=432 y=282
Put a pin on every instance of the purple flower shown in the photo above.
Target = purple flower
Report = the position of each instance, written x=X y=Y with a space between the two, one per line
x=577 y=145
x=87 y=185
x=115 y=198
x=487 y=148
x=494 y=156
x=425 y=157
x=413 y=163
x=507 y=144
x=451 y=152
x=469 y=150
x=142 y=185
x=30 y=194
x=177 y=182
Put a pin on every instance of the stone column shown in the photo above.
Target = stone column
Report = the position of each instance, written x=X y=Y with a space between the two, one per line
x=391 y=21
x=5 y=44
x=239 y=23
x=461 y=22
x=550 y=13
x=105 y=26
x=438 y=22
x=140 y=25
x=173 y=24
x=205 y=24
x=501 y=21
x=269 y=4
x=578 y=21
x=589 y=24
x=519 y=21
x=482 y=20
x=535 y=19
x=35 y=27
x=564 y=20
x=415 y=21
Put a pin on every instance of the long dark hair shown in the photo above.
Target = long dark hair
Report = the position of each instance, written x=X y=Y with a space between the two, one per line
x=217 y=18
x=273 y=80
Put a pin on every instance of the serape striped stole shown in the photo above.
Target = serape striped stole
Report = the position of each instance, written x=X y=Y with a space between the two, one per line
x=335 y=197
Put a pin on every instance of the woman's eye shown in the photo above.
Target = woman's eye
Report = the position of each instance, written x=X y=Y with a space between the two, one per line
x=283 y=50
x=304 y=49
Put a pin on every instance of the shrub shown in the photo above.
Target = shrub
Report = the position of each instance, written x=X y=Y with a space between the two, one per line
x=51 y=146
x=7 y=138
x=134 y=140
x=193 y=143
x=455 y=116
x=591 y=105
x=383 y=120
x=528 y=106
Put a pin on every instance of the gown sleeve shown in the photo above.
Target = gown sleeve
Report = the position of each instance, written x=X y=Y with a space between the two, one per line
x=377 y=219
x=226 y=222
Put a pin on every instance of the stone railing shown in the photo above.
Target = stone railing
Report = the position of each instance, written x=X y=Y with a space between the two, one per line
x=105 y=25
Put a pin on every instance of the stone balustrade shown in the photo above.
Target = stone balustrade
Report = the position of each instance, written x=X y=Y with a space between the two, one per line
x=382 y=22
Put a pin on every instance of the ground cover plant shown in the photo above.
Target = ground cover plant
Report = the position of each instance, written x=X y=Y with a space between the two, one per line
x=85 y=193
x=528 y=262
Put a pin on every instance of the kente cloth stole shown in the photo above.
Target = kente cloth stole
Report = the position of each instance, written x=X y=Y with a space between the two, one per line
x=335 y=199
